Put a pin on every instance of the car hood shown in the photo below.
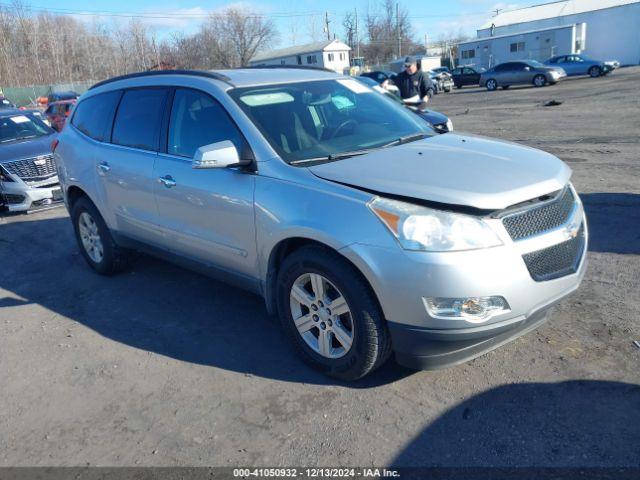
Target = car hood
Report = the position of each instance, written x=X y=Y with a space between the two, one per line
x=467 y=170
x=26 y=148
x=434 y=118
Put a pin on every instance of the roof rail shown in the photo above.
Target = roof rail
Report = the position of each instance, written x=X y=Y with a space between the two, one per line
x=196 y=73
x=298 y=67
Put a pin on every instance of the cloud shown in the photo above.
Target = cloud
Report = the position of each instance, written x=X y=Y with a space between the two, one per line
x=468 y=22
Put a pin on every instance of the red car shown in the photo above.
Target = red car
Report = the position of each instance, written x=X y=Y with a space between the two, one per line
x=57 y=113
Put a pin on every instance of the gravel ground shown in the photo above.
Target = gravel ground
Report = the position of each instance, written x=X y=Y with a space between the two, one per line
x=161 y=366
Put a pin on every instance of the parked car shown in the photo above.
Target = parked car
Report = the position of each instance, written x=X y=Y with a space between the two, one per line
x=441 y=70
x=379 y=76
x=383 y=78
x=463 y=76
x=525 y=72
x=36 y=112
x=28 y=176
x=366 y=232
x=581 y=65
x=438 y=121
x=57 y=113
x=6 y=103
x=442 y=81
x=59 y=96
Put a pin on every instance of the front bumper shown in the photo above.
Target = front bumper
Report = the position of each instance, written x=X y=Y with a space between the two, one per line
x=17 y=196
x=403 y=279
x=431 y=349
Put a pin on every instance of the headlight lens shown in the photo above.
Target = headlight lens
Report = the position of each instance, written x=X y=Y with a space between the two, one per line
x=426 y=229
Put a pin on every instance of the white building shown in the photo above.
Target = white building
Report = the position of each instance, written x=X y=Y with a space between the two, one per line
x=333 y=55
x=601 y=29
x=425 y=62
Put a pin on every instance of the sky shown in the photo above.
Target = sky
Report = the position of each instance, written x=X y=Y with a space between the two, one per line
x=297 y=21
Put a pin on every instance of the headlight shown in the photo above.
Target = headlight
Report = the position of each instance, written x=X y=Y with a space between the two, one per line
x=449 y=125
x=426 y=229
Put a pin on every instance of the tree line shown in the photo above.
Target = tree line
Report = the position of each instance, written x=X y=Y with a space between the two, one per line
x=46 y=48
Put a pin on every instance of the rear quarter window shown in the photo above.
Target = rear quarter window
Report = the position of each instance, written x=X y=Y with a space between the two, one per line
x=138 y=119
x=94 y=115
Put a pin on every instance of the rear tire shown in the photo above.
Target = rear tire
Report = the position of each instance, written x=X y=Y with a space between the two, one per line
x=367 y=340
x=95 y=240
x=492 y=85
x=539 y=81
x=595 y=72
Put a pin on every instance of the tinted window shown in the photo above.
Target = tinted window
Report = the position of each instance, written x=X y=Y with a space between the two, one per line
x=138 y=119
x=456 y=71
x=469 y=71
x=94 y=115
x=198 y=120
x=502 y=68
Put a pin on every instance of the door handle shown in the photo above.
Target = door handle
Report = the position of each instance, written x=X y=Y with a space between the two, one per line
x=103 y=167
x=167 y=181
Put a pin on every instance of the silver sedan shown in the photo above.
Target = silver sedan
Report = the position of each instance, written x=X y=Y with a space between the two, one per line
x=526 y=72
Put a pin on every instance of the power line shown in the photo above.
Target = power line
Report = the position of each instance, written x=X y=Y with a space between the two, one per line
x=205 y=14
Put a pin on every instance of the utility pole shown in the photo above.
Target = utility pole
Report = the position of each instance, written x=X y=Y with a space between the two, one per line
x=398 y=29
x=426 y=45
x=357 y=38
x=498 y=10
x=326 y=24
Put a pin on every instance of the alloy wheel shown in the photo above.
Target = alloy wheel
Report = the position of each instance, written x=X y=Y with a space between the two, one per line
x=321 y=315
x=90 y=237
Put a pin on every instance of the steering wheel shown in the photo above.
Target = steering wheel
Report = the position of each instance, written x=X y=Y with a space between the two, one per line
x=344 y=125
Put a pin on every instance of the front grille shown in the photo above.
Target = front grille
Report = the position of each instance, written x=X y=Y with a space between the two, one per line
x=537 y=220
x=32 y=169
x=556 y=261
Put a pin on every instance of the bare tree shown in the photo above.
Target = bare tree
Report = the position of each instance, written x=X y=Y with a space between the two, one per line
x=234 y=36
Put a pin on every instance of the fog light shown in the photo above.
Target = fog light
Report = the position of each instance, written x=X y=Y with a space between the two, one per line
x=470 y=309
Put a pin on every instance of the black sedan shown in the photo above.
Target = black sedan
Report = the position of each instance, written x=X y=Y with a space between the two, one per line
x=463 y=76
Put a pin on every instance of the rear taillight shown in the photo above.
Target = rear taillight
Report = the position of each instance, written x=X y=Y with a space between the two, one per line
x=54 y=145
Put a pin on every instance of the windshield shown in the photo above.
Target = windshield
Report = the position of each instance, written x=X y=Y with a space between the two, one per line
x=322 y=119
x=535 y=63
x=21 y=127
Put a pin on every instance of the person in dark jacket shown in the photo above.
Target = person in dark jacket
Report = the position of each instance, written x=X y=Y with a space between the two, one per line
x=412 y=82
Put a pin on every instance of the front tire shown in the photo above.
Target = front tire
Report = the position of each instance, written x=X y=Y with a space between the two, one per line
x=330 y=314
x=95 y=241
x=595 y=72
x=539 y=81
x=492 y=85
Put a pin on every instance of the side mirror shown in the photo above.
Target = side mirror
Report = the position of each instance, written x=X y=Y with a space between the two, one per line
x=217 y=155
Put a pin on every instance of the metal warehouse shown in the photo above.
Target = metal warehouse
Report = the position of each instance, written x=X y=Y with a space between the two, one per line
x=601 y=29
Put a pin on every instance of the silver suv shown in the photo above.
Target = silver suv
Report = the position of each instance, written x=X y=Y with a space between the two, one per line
x=365 y=231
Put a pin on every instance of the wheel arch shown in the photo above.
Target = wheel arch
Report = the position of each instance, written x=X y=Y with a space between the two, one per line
x=286 y=247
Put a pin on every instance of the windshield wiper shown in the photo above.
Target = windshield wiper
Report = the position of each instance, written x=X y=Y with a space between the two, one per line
x=333 y=156
x=341 y=155
x=407 y=139
x=353 y=153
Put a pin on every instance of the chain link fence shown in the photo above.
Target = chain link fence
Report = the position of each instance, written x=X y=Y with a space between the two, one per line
x=29 y=95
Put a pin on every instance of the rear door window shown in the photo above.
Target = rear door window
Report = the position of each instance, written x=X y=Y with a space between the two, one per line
x=94 y=115
x=137 y=123
x=198 y=120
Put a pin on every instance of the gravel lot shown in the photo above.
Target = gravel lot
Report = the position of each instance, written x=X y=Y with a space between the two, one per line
x=161 y=366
